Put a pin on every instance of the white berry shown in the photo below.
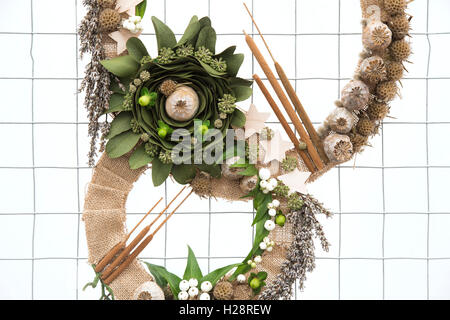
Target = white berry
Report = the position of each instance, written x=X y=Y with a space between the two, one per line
x=205 y=296
x=241 y=278
x=266 y=240
x=206 y=286
x=272 y=212
x=276 y=203
x=183 y=295
x=184 y=285
x=193 y=282
x=263 y=184
x=193 y=292
x=265 y=191
x=263 y=246
x=264 y=173
x=269 y=225
x=273 y=182
x=269 y=249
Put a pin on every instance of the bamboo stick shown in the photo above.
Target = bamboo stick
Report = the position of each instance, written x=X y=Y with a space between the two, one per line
x=284 y=123
x=301 y=111
x=115 y=250
x=285 y=102
x=141 y=247
x=293 y=96
x=135 y=242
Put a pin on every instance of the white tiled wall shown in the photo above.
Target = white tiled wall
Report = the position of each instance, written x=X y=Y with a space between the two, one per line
x=390 y=234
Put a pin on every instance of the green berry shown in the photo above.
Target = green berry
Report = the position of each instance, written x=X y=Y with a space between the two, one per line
x=280 y=220
x=144 y=100
x=253 y=265
x=162 y=132
x=255 y=283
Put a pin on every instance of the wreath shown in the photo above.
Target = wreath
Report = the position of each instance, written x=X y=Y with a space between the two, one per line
x=170 y=110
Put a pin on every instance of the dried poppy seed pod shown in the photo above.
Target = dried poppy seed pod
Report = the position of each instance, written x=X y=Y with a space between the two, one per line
x=376 y=36
x=248 y=183
x=355 y=95
x=229 y=172
x=182 y=104
x=341 y=120
x=373 y=69
x=338 y=147
x=149 y=290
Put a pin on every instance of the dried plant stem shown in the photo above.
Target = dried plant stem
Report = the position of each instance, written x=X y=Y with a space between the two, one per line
x=97 y=79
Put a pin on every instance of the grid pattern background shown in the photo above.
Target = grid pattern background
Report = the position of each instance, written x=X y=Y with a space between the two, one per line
x=389 y=233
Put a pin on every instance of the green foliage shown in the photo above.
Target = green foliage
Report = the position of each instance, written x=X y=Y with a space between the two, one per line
x=165 y=277
x=160 y=171
x=238 y=119
x=136 y=49
x=183 y=173
x=121 y=123
x=106 y=291
x=256 y=281
x=164 y=36
x=121 y=144
x=140 y=9
x=122 y=66
x=139 y=158
x=192 y=268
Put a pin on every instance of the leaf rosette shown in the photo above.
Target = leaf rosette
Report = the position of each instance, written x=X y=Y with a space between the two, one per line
x=139 y=103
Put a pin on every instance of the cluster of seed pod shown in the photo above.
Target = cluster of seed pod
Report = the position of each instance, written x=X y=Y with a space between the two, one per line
x=364 y=100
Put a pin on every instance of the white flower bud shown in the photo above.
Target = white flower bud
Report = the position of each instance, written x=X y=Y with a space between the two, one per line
x=263 y=184
x=206 y=286
x=269 y=225
x=258 y=259
x=266 y=240
x=263 y=246
x=193 y=292
x=264 y=173
x=241 y=278
x=272 y=212
x=193 y=282
x=205 y=296
x=183 y=295
x=184 y=285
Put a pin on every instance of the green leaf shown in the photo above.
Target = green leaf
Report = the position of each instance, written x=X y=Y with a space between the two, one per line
x=160 y=171
x=262 y=275
x=172 y=279
x=262 y=209
x=192 y=267
x=164 y=36
x=139 y=158
x=217 y=274
x=158 y=273
x=136 y=49
x=238 y=119
x=234 y=62
x=249 y=171
x=191 y=31
x=123 y=66
x=228 y=52
x=205 y=22
x=210 y=70
x=115 y=103
x=140 y=9
x=183 y=173
x=121 y=144
x=121 y=123
x=242 y=93
x=207 y=38
x=213 y=169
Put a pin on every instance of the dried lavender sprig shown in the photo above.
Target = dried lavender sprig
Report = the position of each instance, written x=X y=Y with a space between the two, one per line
x=97 y=79
x=300 y=258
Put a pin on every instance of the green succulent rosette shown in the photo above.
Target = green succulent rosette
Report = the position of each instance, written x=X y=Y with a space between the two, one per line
x=141 y=121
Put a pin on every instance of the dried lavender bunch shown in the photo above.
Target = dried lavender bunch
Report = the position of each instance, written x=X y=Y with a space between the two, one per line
x=300 y=258
x=97 y=79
